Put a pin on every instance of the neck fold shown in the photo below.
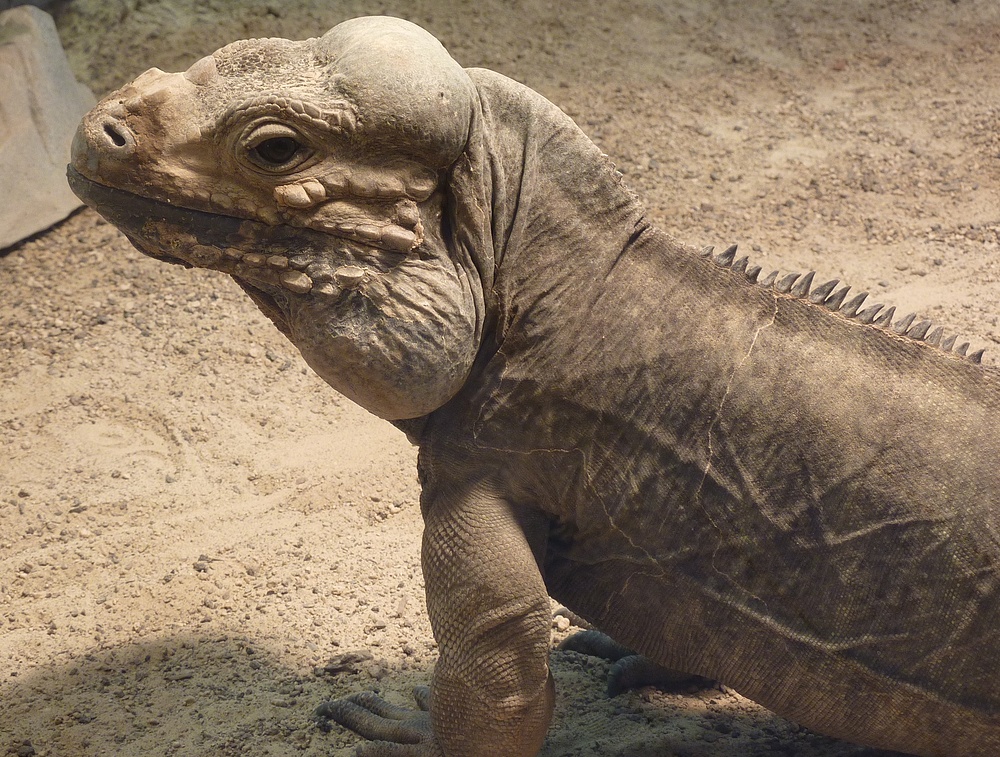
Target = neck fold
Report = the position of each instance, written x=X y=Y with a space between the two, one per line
x=535 y=204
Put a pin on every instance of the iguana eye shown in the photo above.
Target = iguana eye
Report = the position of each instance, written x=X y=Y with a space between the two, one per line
x=275 y=148
x=277 y=151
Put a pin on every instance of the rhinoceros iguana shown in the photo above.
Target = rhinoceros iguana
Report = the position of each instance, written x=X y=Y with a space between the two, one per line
x=758 y=481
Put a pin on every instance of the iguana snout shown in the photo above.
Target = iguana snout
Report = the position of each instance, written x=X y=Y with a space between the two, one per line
x=315 y=173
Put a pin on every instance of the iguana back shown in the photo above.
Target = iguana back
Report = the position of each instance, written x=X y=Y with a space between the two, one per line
x=752 y=487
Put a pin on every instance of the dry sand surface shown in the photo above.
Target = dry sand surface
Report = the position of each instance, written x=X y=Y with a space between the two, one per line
x=197 y=533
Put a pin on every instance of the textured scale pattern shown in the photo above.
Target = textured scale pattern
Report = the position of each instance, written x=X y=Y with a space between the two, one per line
x=338 y=116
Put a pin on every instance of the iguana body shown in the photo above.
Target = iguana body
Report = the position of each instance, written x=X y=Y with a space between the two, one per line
x=749 y=482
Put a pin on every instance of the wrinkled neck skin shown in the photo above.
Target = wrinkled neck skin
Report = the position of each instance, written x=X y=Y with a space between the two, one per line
x=395 y=333
x=557 y=213
x=401 y=336
x=530 y=204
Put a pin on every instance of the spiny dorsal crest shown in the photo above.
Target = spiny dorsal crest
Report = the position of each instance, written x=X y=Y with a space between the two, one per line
x=828 y=296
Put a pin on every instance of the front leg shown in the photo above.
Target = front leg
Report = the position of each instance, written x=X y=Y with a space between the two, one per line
x=492 y=693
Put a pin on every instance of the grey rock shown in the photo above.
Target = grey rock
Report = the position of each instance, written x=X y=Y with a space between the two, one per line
x=40 y=105
x=8 y=4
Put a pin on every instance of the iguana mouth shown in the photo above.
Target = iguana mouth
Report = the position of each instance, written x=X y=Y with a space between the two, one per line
x=295 y=259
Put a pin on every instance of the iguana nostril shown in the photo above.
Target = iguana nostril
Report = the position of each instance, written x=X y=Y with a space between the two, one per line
x=114 y=135
x=118 y=138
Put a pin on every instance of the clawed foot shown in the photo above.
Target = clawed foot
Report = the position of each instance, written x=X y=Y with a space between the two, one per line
x=630 y=670
x=393 y=731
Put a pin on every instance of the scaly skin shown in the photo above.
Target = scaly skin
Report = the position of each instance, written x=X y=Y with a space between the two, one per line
x=760 y=483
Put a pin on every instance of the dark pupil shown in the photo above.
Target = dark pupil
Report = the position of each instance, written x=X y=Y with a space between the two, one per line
x=277 y=150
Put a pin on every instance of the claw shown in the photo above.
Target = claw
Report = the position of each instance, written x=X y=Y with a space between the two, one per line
x=636 y=671
x=630 y=670
x=393 y=730
x=595 y=644
x=422 y=695
x=376 y=705
x=387 y=749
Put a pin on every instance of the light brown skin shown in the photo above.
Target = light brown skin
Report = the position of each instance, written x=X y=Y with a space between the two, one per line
x=730 y=478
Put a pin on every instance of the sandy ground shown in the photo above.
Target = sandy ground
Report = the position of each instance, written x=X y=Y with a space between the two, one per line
x=196 y=533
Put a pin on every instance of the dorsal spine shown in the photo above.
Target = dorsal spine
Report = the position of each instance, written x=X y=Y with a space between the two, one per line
x=829 y=297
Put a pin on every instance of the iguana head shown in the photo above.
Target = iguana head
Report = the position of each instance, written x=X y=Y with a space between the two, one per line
x=316 y=174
